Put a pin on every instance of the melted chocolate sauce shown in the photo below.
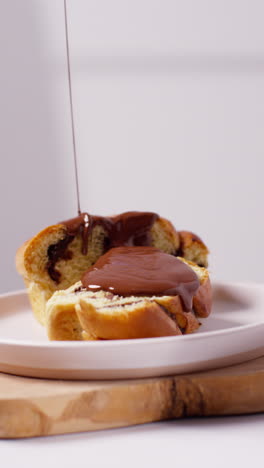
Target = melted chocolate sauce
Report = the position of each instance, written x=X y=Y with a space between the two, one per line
x=142 y=271
x=131 y=228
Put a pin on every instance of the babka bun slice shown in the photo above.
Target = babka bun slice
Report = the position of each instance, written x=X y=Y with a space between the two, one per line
x=81 y=313
x=57 y=257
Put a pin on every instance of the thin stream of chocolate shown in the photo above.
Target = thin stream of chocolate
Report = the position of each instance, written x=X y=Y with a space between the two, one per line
x=71 y=107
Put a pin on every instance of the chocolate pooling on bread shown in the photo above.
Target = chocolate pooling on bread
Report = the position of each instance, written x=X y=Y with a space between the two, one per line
x=142 y=271
x=129 y=229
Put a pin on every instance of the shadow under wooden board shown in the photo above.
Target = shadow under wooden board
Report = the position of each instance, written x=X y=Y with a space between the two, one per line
x=36 y=407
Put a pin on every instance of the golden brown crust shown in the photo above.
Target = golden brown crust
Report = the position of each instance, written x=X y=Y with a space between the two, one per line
x=193 y=248
x=186 y=321
x=146 y=321
x=202 y=301
x=20 y=255
x=188 y=238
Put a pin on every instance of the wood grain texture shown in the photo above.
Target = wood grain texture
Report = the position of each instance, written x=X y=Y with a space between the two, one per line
x=36 y=407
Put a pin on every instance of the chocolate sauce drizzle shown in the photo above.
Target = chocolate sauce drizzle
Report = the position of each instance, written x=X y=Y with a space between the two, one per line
x=130 y=228
x=127 y=229
x=142 y=271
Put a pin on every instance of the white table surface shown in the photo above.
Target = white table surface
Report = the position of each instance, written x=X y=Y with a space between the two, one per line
x=203 y=442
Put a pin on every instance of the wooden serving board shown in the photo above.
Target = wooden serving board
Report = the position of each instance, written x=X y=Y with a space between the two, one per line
x=36 y=407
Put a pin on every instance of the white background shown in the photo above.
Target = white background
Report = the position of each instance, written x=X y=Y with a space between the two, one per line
x=169 y=109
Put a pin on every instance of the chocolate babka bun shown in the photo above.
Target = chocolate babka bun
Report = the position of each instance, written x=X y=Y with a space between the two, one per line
x=58 y=256
x=131 y=292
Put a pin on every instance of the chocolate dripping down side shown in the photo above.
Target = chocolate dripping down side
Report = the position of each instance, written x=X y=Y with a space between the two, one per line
x=127 y=229
x=142 y=271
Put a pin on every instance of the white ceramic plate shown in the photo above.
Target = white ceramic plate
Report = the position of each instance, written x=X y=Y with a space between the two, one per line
x=233 y=333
